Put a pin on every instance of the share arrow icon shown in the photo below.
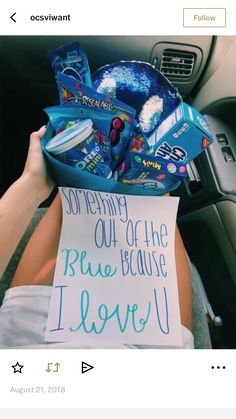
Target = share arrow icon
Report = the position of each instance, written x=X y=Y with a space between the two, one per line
x=86 y=367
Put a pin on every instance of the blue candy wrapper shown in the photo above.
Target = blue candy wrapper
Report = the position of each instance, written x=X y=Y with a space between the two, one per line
x=147 y=180
x=144 y=161
x=145 y=171
x=71 y=60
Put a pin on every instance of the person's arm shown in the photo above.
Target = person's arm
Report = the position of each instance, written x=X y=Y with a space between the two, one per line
x=20 y=202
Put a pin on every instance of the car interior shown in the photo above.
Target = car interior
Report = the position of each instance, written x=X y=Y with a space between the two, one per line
x=203 y=69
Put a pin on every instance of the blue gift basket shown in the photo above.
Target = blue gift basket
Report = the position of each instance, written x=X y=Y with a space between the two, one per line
x=139 y=85
x=66 y=175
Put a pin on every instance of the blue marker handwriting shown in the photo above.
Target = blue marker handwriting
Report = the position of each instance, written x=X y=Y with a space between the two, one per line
x=124 y=317
x=151 y=234
x=143 y=263
x=80 y=201
x=77 y=263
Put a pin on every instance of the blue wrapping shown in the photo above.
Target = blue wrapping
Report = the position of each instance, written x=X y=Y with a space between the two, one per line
x=65 y=175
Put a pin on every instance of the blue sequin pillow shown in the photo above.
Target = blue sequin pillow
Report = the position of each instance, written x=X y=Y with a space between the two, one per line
x=141 y=86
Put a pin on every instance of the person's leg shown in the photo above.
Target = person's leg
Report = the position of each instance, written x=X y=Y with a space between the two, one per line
x=184 y=281
x=37 y=263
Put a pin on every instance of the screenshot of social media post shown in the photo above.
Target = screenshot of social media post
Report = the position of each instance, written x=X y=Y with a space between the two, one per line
x=118 y=215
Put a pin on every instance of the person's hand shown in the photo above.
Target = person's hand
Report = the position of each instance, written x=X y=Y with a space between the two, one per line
x=35 y=170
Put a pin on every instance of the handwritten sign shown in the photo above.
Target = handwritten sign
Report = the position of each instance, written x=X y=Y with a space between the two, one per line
x=115 y=278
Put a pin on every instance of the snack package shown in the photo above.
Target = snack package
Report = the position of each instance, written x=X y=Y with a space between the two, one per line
x=62 y=117
x=76 y=146
x=71 y=60
x=122 y=116
x=147 y=171
x=144 y=179
x=182 y=136
x=144 y=161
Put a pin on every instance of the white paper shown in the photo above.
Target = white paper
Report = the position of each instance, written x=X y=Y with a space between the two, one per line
x=115 y=277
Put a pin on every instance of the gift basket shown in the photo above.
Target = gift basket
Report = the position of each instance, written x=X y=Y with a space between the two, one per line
x=124 y=130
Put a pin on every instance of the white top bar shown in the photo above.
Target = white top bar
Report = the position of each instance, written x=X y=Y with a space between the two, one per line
x=123 y=17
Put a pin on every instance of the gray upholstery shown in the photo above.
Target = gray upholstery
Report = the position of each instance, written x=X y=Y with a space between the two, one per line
x=201 y=333
x=8 y=275
x=200 y=327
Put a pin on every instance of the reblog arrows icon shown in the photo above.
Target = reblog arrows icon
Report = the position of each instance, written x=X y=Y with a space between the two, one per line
x=86 y=367
x=12 y=17
x=49 y=369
